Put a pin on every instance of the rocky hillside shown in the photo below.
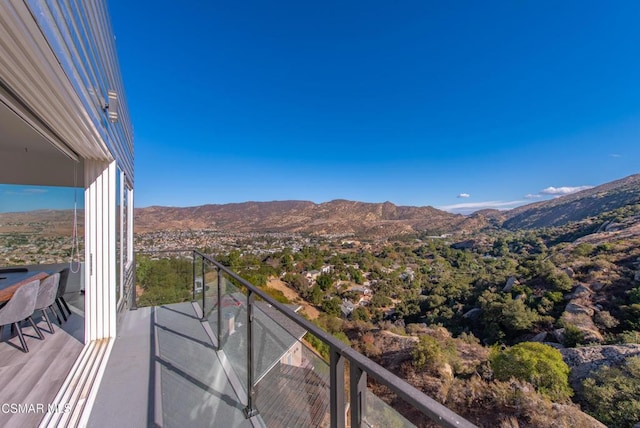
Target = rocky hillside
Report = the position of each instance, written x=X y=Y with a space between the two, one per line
x=41 y=222
x=575 y=207
x=335 y=217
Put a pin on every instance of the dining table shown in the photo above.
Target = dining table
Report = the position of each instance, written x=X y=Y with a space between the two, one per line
x=10 y=282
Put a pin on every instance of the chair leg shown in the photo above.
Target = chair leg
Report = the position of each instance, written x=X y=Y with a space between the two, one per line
x=22 y=341
x=1 y=331
x=53 y=311
x=64 y=315
x=64 y=302
x=35 y=327
x=46 y=318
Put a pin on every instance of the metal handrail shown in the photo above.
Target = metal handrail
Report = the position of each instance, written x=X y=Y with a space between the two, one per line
x=427 y=405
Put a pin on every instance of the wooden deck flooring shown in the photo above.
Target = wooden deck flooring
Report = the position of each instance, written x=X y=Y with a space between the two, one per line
x=32 y=379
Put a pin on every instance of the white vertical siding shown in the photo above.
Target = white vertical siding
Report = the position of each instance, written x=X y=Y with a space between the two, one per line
x=79 y=33
x=100 y=250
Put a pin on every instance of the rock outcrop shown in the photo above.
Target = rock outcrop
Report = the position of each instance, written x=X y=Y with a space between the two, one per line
x=584 y=360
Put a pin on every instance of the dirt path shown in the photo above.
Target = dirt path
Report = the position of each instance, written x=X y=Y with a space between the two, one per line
x=294 y=296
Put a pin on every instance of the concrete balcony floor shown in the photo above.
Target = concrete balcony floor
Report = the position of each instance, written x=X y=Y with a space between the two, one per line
x=164 y=371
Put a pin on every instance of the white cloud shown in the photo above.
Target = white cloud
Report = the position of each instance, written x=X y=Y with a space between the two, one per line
x=25 y=192
x=464 y=195
x=469 y=207
x=564 y=190
x=34 y=191
x=532 y=196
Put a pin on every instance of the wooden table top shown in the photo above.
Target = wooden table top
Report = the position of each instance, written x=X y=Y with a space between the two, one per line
x=10 y=282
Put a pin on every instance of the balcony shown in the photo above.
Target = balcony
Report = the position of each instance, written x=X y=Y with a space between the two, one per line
x=229 y=354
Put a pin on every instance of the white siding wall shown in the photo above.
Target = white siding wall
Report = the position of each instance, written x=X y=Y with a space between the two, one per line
x=100 y=250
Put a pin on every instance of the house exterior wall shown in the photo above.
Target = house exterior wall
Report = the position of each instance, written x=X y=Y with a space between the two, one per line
x=80 y=35
x=59 y=72
x=293 y=356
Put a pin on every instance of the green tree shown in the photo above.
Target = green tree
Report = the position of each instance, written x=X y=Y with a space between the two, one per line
x=613 y=394
x=316 y=295
x=361 y=314
x=504 y=315
x=332 y=306
x=536 y=363
x=324 y=280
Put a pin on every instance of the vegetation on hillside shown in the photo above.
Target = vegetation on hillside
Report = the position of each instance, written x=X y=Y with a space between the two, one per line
x=463 y=314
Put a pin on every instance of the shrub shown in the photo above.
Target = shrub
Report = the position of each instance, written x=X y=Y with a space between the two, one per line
x=573 y=336
x=428 y=353
x=583 y=249
x=613 y=394
x=604 y=319
x=625 y=337
x=276 y=294
x=536 y=363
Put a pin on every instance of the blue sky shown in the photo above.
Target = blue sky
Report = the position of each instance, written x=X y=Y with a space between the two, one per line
x=413 y=102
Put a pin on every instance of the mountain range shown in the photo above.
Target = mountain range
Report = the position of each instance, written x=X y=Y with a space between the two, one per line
x=385 y=219
x=342 y=217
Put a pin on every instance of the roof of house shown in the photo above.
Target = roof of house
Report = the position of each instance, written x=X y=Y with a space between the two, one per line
x=273 y=335
x=290 y=396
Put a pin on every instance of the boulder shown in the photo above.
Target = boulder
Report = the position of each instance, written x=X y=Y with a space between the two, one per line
x=597 y=286
x=540 y=337
x=570 y=273
x=510 y=283
x=636 y=276
x=576 y=309
x=586 y=359
x=473 y=314
x=580 y=291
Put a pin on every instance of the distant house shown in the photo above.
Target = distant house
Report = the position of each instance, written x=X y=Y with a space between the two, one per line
x=364 y=291
x=311 y=276
x=289 y=391
x=346 y=308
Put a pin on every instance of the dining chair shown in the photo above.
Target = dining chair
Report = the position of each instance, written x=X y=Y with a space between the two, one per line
x=21 y=307
x=47 y=296
x=62 y=288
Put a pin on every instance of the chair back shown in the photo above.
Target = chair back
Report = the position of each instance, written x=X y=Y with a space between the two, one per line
x=48 y=291
x=64 y=278
x=21 y=305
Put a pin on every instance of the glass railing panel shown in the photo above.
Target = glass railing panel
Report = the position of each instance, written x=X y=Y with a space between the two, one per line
x=210 y=289
x=198 y=281
x=232 y=312
x=378 y=414
x=291 y=380
x=164 y=277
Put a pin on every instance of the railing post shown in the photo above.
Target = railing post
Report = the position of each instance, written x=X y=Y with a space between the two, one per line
x=204 y=294
x=250 y=410
x=133 y=290
x=336 y=388
x=219 y=306
x=193 y=265
x=358 y=389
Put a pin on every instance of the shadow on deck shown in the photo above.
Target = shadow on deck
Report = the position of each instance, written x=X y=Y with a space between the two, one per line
x=164 y=371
